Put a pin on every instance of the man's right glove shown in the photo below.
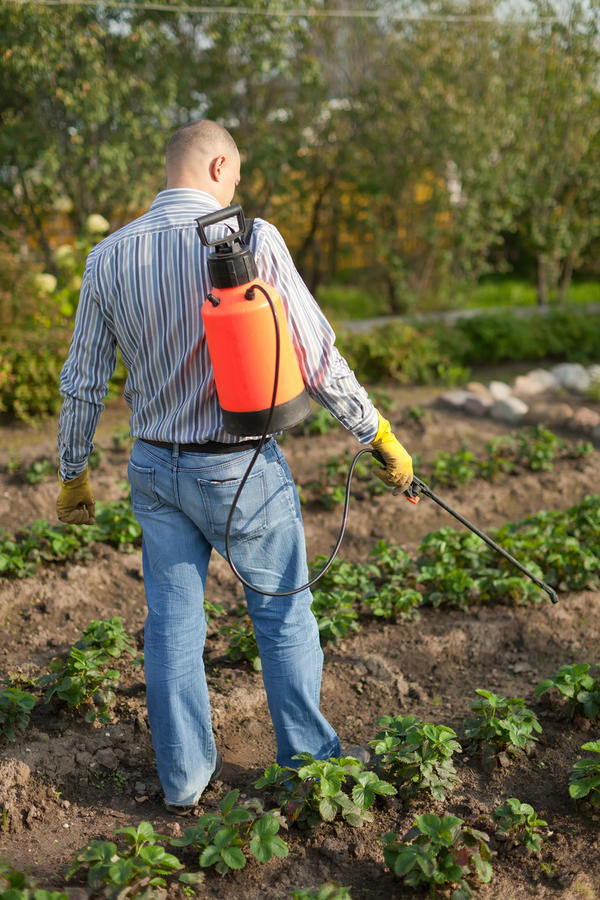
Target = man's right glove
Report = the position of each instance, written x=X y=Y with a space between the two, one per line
x=75 y=504
x=398 y=470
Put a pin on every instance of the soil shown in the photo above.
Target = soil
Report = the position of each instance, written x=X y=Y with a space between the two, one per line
x=65 y=782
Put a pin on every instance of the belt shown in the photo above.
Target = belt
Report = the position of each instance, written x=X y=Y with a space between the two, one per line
x=208 y=447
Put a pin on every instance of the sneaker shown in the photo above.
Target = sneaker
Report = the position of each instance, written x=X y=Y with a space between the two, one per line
x=178 y=810
x=359 y=753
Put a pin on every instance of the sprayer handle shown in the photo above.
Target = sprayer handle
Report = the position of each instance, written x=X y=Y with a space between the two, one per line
x=221 y=215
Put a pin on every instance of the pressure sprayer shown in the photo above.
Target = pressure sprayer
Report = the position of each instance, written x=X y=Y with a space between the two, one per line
x=257 y=377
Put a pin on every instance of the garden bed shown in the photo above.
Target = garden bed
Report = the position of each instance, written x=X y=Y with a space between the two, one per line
x=64 y=781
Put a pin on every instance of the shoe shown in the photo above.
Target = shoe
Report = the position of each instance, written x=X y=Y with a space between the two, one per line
x=178 y=810
x=359 y=753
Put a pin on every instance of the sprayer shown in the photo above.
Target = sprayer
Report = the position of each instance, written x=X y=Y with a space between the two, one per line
x=257 y=377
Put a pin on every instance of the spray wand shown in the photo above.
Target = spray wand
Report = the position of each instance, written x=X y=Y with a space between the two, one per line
x=418 y=487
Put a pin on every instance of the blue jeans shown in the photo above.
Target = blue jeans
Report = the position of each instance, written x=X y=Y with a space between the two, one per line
x=182 y=501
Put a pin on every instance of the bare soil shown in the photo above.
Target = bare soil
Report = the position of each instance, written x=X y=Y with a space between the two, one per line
x=65 y=782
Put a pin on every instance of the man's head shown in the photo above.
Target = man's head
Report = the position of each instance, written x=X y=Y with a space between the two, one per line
x=204 y=156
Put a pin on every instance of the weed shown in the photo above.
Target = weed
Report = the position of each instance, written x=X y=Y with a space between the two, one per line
x=416 y=757
x=440 y=852
x=39 y=471
x=327 y=891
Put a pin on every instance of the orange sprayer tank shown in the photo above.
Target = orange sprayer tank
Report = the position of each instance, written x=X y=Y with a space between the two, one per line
x=242 y=338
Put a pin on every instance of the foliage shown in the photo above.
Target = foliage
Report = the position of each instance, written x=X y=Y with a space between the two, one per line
x=314 y=793
x=416 y=757
x=501 y=725
x=520 y=823
x=327 y=891
x=83 y=676
x=137 y=872
x=584 y=777
x=242 y=642
x=440 y=852
x=576 y=684
x=15 y=710
x=335 y=614
x=222 y=837
x=15 y=885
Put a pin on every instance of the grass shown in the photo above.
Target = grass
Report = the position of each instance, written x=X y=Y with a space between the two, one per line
x=340 y=302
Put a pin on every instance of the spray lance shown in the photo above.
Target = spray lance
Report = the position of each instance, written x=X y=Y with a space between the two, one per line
x=257 y=377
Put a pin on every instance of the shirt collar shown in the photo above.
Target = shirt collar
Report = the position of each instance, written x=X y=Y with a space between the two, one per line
x=183 y=197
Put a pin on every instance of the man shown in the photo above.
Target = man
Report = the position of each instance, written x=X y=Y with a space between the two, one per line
x=142 y=291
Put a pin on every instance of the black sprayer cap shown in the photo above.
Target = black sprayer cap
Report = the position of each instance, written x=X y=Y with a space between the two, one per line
x=232 y=262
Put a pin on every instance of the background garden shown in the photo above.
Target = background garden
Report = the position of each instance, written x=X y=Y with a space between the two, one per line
x=434 y=167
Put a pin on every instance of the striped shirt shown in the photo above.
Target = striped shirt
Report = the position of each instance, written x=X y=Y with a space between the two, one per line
x=143 y=290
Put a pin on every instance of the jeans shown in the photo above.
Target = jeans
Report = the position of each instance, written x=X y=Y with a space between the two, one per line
x=182 y=502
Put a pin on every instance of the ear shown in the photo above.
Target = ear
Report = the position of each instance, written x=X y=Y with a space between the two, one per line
x=216 y=168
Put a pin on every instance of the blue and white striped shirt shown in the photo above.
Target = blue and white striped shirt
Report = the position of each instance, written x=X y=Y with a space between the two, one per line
x=143 y=289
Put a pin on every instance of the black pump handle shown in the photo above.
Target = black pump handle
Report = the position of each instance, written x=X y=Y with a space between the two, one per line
x=220 y=215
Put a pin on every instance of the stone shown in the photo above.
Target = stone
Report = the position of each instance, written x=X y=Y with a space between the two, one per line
x=535 y=382
x=511 y=410
x=594 y=372
x=477 y=405
x=499 y=390
x=596 y=433
x=584 y=419
x=550 y=413
x=572 y=376
x=455 y=398
x=107 y=758
x=476 y=387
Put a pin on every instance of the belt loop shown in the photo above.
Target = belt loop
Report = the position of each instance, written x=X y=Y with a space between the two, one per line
x=175 y=451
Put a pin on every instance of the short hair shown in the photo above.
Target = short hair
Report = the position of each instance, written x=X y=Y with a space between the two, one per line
x=203 y=138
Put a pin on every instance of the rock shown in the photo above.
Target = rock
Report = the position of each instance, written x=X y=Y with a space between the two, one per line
x=572 y=376
x=594 y=372
x=511 y=410
x=476 y=387
x=499 y=390
x=535 y=382
x=585 y=419
x=596 y=433
x=477 y=405
x=550 y=413
x=455 y=398
x=107 y=758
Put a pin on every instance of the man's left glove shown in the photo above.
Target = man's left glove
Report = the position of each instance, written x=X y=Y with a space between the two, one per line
x=398 y=471
x=75 y=504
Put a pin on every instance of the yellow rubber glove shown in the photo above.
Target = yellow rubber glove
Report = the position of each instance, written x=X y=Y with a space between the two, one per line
x=75 y=504
x=398 y=472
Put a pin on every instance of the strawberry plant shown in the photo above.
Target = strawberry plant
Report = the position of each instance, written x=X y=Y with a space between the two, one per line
x=335 y=614
x=314 y=793
x=440 y=852
x=416 y=757
x=519 y=823
x=242 y=642
x=584 y=777
x=15 y=710
x=327 y=891
x=108 y=636
x=576 y=684
x=136 y=872
x=222 y=837
x=15 y=885
x=453 y=469
x=501 y=726
x=82 y=678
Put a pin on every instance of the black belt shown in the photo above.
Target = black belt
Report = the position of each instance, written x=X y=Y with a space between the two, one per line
x=208 y=447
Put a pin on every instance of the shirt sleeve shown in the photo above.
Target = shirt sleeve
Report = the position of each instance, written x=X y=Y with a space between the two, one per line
x=327 y=376
x=84 y=381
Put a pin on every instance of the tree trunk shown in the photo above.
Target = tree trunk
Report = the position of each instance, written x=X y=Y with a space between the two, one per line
x=542 y=280
x=565 y=278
